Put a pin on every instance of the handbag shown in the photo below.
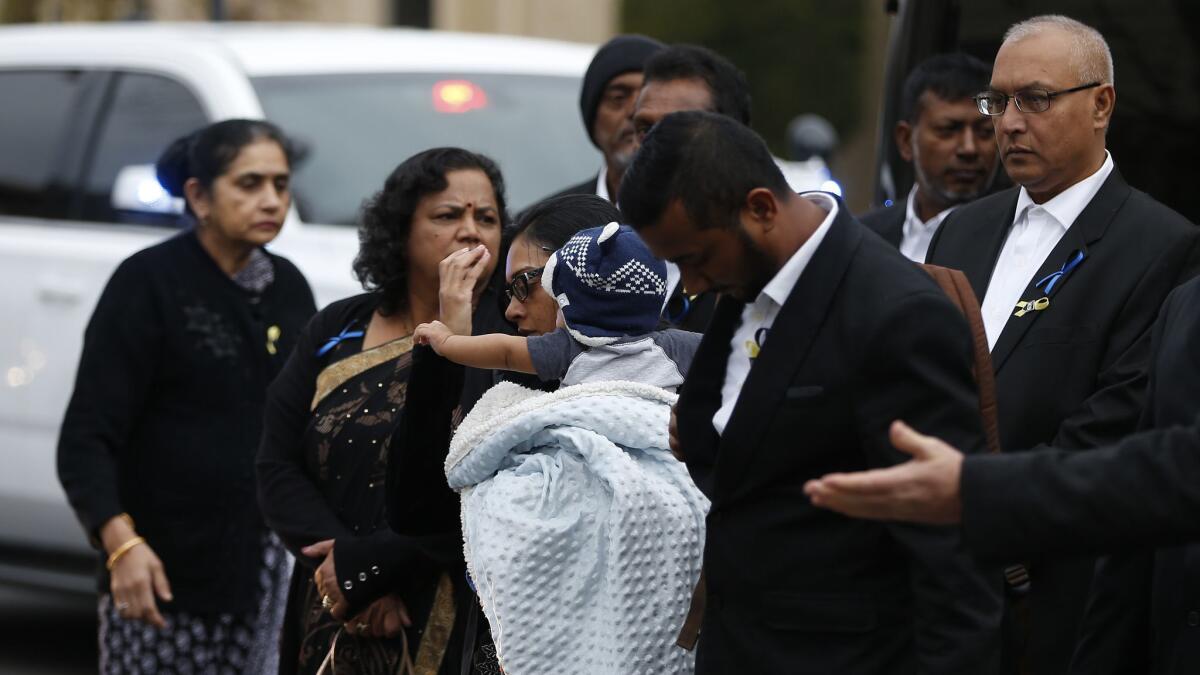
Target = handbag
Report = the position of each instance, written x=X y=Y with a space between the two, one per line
x=327 y=664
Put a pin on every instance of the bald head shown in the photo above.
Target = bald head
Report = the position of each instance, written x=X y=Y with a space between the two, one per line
x=1048 y=150
x=1090 y=56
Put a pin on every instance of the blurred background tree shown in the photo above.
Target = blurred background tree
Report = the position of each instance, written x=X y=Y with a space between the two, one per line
x=799 y=56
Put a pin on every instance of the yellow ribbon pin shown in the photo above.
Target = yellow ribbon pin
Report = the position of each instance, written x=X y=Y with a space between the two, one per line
x=752 y=349
x=273 y=334
x=1026 y=306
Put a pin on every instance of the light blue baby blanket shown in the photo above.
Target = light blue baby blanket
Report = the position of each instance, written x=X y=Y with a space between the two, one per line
x=583 y=535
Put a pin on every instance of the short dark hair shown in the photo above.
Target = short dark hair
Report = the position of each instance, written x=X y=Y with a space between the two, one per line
x=730 y=91
x=708 y=161
x=207 y=152
x=382 y=261
x=952 y=77
x=551 y=222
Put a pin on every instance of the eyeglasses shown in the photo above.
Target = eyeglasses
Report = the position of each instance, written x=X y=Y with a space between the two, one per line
x=993 y=103
x=519 y=288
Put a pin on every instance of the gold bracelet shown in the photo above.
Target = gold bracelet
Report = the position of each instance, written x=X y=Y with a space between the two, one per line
x=122 y=550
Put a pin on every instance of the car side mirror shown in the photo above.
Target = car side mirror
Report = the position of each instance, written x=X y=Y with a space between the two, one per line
x=137 y=189
x=810 y=136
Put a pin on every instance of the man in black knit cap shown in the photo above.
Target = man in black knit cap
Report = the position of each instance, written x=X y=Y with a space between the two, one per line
x=610 y=88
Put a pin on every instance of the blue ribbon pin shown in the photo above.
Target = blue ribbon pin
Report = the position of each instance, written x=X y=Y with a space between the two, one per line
x=1063 y=271
x=346 y=334
x=1047 y=285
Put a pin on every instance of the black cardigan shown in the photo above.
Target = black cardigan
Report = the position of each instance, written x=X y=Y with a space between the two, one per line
x=167 y=412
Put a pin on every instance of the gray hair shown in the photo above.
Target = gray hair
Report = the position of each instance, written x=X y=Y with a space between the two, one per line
x=1090 y=54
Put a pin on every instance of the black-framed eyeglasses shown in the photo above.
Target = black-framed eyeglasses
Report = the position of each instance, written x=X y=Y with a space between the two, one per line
x=519 y=287
x=993 y=103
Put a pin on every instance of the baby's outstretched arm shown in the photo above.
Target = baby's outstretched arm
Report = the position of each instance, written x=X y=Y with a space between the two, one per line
x=495 y=351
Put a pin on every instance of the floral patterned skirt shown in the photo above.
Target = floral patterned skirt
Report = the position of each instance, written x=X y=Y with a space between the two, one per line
x=202 y=644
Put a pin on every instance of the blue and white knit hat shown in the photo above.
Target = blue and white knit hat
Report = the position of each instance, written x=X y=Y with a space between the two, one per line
x=607 y=284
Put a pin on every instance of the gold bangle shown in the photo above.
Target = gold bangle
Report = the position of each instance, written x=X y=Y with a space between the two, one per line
x=122 y=550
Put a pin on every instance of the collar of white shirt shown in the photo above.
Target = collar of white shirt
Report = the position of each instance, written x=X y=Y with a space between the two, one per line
x=916 y=235
x=761 y=314
x=602 y=183
x=780 y=286
x=913 y=222
x=1068 y=204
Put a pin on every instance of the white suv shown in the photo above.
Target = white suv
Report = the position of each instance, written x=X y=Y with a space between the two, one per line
x=87 y=109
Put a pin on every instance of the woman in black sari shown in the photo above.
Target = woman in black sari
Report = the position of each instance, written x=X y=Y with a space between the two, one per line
x=375 y=598
x=448 y=390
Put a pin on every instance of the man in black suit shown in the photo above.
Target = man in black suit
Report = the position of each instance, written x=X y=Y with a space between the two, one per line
x=951 y=146
x=610 y=86
x=1145 y=492
x=822 y=335
x=1072 y=266
x=1144 y=612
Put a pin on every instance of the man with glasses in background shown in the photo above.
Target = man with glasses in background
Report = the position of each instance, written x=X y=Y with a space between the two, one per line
x=1072 y=266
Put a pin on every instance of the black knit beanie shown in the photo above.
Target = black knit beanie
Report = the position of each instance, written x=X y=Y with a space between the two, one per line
x=622 y=54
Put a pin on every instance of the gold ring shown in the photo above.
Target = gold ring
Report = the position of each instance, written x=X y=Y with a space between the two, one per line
x=326 y=602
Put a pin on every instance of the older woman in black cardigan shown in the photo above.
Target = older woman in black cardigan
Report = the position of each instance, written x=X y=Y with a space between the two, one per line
x=157 y=448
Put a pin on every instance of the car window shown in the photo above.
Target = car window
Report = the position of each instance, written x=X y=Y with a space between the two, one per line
x=33 y=124
x=354 y=129
x=147 y=112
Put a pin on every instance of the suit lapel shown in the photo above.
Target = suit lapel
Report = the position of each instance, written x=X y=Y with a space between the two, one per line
x=791 y=337
x=1087 y=229
x=700 y=395
x=978 y=256
x=893 y=230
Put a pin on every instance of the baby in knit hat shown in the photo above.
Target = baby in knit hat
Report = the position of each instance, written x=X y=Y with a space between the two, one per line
x=610 y=292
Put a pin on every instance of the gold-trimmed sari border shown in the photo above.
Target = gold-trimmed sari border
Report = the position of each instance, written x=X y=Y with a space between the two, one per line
x=433 y=645
x=337 y=374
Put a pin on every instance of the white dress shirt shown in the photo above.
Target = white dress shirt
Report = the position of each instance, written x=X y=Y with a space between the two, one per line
x=916 y=234
x=762 y=312
x=602 y=184
x=1036 y=230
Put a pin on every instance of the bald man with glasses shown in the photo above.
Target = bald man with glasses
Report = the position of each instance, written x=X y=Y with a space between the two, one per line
x=1072 y=266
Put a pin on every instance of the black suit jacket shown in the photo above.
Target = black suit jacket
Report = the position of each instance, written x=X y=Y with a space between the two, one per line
x=1143 y=491
x=587 y=187
x=1074 y=375
x=887 y=222
x=864 y=338
x=1144 y=612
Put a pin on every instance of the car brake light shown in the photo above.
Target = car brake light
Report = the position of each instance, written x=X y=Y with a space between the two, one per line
x=458 y=96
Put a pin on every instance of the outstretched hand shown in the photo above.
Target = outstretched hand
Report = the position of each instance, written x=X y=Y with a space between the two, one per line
x=434 y=334
x=924 y=489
